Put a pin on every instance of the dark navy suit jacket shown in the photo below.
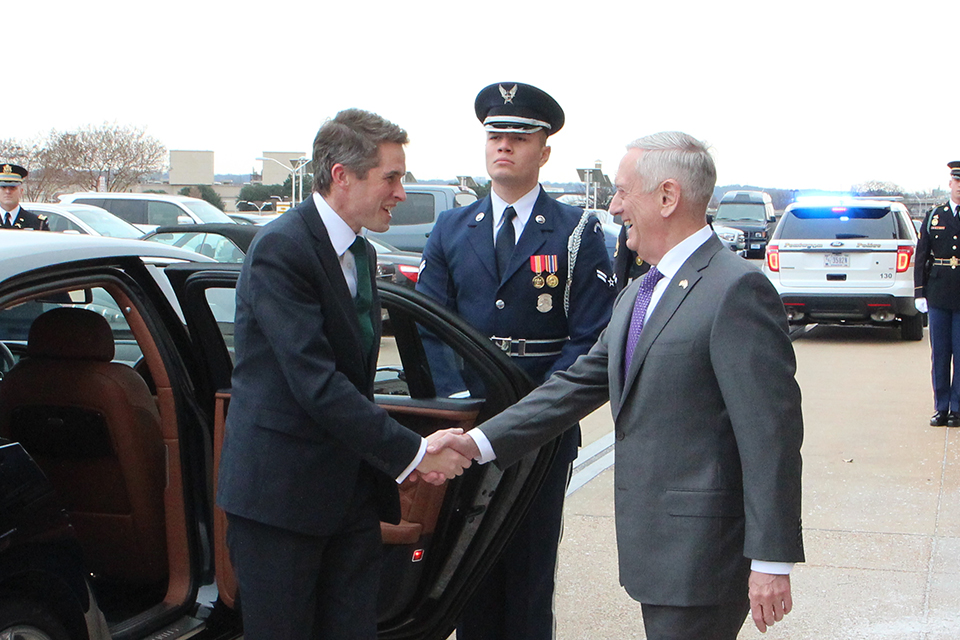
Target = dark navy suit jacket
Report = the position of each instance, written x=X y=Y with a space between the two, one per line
x=460 y=271
x=302 y=422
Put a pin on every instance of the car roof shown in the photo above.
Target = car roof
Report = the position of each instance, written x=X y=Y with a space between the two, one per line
x=117 y=195
x=758 y=197
x=843 y=201
x=24 y=250
x=241 y=234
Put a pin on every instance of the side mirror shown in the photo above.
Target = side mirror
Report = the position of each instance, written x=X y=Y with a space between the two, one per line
x=710 y=218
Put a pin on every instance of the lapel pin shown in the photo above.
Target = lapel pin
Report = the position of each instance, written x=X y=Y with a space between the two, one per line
x=683 y=284
x=540 y=219
x=479 y=216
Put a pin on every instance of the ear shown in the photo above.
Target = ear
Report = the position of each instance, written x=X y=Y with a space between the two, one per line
x=669 y=194
x=544 y=155
x=340 y=176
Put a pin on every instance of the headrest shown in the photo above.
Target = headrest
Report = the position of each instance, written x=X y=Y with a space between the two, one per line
x=68 y=333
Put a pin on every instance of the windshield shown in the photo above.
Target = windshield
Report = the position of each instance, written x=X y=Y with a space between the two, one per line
x=105 y=223
x=206 y=211
x=741 y=211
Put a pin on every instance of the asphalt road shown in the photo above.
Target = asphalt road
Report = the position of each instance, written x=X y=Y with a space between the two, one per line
x=881 y=507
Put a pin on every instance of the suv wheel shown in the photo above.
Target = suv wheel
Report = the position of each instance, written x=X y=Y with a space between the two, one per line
x=911 y=327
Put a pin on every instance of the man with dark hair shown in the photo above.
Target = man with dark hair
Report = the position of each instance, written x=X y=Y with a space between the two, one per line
x=534 y=276
x=937 y=281
x=12 y=215
x=699 y=370
x=310 y=465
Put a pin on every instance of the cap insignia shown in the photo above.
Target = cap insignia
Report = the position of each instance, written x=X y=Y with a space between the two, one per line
x=508 y=95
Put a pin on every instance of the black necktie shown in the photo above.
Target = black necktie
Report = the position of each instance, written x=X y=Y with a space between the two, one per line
x=7 y=220
x=506 y=241
x=364 y=299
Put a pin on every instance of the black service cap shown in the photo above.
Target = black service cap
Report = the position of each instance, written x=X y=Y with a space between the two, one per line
x=12 y=175
x=518 y=107
x=954 y=169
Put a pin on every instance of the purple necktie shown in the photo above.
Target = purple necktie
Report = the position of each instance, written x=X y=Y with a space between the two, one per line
x=644 y=293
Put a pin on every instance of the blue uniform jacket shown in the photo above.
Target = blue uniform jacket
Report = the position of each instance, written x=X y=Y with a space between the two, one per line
x=460 y=272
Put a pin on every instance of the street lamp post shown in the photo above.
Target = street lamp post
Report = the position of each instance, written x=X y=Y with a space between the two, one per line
x=294 y=170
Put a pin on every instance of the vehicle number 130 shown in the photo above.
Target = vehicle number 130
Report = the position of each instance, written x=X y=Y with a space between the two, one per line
x=886 y=276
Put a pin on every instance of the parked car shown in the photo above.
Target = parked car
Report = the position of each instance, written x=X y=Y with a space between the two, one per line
x=108 y=522
x=229 y=243
x=734 y=238
x=244 y=217
x=147 y=211
x=413 y=219
x=846 y=261
x=751 y=212
x=83 y=218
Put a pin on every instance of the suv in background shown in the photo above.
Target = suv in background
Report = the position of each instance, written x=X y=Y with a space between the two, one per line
x=147 y=211
x=751 y=212
x=413 y=219
x=846 y=261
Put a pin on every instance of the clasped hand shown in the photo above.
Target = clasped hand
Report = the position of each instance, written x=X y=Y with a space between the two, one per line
x=444 y=459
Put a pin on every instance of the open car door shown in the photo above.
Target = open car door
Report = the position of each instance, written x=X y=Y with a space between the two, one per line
x=449 y=535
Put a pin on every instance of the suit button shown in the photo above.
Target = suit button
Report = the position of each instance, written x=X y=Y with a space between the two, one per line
x=620 y=435
x=500 y=304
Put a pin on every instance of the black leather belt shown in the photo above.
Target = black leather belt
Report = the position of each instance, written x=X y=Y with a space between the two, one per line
x=523 y=348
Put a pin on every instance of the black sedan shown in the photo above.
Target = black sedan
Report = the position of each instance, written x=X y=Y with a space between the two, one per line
x=115 y=364
x=229 y=243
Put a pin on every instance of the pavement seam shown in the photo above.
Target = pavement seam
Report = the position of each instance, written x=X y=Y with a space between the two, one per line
x=936 y=530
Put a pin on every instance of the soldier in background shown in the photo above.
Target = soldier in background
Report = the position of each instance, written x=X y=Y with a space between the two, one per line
x=937 y=292
x=12 y=215
x=627 y=265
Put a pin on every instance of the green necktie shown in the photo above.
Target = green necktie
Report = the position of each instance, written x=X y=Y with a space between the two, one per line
x=364 y=299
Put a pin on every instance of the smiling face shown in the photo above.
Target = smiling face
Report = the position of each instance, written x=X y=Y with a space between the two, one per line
x=10 y=197
x=369 y=201
x=514 y=159
x=639 y=211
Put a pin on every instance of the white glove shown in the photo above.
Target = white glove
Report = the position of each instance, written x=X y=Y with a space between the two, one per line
x=921 y=304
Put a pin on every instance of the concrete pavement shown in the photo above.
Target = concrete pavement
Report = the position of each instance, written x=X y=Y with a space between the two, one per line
x=881 y=507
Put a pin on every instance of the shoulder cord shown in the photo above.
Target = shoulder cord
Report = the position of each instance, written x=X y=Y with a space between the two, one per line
x=573 y=249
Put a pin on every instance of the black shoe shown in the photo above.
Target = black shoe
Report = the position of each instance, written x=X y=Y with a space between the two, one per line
x=940 y=419
x=953 y=420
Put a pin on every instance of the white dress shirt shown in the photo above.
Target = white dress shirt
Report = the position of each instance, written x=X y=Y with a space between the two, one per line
x=523 y=207
x=342 y=237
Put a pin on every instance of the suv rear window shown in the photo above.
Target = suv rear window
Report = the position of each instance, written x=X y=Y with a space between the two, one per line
x=416 y=209
x=842 y=223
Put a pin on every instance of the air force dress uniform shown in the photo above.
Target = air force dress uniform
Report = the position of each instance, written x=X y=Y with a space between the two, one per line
x=12 y=175
x=546 y=308
x=937 y=278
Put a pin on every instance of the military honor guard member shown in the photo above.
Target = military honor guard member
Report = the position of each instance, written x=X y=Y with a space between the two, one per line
x=534 y=276
x=12 y=215
x=627 y=265
x=937 y=281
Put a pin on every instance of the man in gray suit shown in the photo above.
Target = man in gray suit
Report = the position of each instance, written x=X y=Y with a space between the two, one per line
x=699 y=370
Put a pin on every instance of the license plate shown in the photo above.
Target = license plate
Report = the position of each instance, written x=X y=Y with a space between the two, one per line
x=836 y=260
x=754 y=246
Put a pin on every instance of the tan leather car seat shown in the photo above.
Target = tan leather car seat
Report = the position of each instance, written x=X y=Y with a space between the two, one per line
x=94 y=429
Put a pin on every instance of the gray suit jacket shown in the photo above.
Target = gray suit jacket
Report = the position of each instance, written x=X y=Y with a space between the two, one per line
x=708 y=428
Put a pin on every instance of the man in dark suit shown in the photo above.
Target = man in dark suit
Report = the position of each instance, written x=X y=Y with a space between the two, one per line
x=533 y=275
x=310 y=465
x=12 y=215
x=937 y=289
x=699 y=370
x=627 y=266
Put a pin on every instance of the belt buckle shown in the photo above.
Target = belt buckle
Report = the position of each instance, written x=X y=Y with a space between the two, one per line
x=502 y=343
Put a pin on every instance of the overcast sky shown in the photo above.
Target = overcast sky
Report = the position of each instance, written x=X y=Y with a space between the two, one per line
x=811 y=94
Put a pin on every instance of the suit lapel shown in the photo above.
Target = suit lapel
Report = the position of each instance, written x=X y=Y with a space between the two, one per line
x=480 y=236
x=681 y=285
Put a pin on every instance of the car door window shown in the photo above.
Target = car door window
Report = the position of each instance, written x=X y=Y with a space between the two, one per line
x=418 y=208
x=163 y=214
x=60 y=223
x=133 y=211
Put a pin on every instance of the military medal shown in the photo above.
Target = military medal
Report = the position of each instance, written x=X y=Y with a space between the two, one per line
x=935 y=221
x=551 y=265
x=544 y=302
x=537 y=264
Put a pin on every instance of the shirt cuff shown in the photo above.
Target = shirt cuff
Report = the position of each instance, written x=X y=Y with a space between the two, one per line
x=773 y=568
x=486 y=449
x=416 y=461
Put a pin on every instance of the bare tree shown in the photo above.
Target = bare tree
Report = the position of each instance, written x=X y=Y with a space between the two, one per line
x=877 y=188
x=117 y=154
x=44 y=181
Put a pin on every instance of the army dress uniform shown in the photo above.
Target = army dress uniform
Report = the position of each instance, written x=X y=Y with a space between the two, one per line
x=12 y=175
x=937 y=278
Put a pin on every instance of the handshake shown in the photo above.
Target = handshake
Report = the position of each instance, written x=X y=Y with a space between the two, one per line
x=449 y=452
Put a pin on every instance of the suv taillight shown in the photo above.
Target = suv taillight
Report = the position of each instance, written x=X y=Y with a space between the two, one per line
x=904 y=256
x=773 y=257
